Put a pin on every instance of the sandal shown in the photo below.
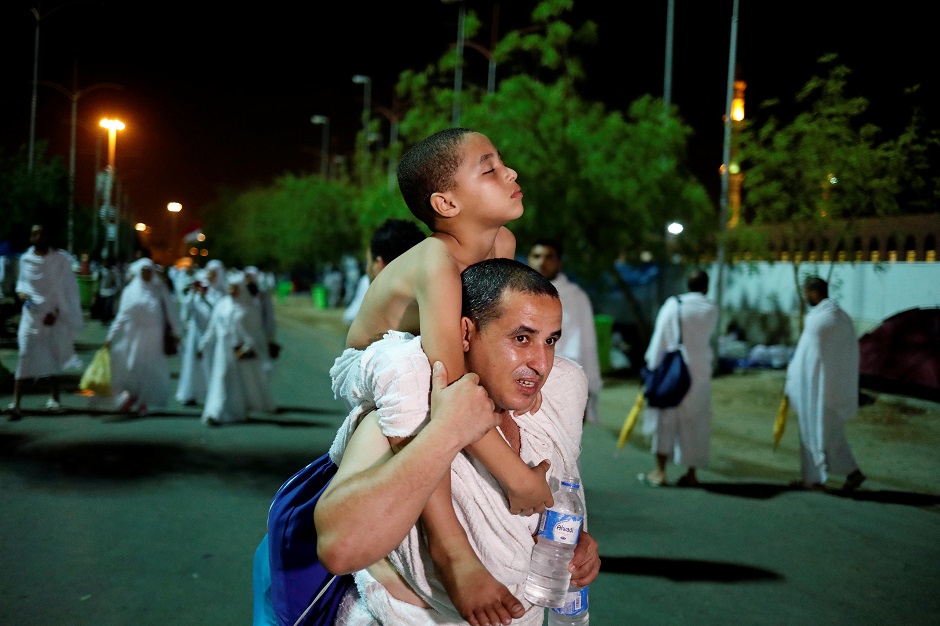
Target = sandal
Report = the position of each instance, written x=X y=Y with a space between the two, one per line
x=649 y=481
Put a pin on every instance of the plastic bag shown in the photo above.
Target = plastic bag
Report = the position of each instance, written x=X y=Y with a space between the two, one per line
x=97 y=376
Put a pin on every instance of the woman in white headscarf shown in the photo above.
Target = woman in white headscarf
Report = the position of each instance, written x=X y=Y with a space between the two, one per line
x=237 y=383
x=195 y=312
x=140 y=371
x=217 y=283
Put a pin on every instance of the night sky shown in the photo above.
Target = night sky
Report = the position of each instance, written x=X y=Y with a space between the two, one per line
x=216 y=95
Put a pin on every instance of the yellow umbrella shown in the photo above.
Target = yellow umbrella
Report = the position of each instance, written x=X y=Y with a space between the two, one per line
x=780 y=424
x=630 y=422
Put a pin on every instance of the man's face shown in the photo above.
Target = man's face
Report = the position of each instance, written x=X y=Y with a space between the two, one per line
x=545 y=261
x=372 y=265
x=812 y=297
x=514 y=354
x=37 y=237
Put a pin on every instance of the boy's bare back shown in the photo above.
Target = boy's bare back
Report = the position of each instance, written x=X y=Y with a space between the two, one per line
x=427 y=274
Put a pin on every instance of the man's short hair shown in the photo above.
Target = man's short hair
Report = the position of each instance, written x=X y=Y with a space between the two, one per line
x=698 y=281
x=393 y=238
x=429 y=167
x=485 y=282
x=817 y=285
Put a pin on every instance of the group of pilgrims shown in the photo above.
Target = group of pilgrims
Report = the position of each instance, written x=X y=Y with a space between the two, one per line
x=222 y=320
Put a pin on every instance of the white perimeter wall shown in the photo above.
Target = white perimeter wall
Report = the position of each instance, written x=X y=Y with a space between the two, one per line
x=868 y=292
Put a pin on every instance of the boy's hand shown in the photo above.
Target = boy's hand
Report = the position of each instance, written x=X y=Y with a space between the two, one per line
x=477 y=595
x=534 y=496
x=586 y=562
x=464 y=405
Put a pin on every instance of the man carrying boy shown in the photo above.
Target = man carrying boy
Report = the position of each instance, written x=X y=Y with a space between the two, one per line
x=510 y=324
x=456 y=183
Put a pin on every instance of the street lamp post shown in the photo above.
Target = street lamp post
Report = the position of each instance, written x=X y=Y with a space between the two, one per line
x=723 y=204
x=174 y=208
x=107 y=211
x=324 y=143
x=74 y=95
x=393 y=120
x=366 y=83
x=458 y=66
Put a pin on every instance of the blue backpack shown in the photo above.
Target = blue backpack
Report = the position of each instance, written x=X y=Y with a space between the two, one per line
x=302 y=590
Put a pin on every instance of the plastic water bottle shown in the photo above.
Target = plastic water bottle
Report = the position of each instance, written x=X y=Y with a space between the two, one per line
x=575 y=610
x=548 y=579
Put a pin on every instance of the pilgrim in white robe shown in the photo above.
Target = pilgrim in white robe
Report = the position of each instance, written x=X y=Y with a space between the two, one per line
x=51 y=287
x=683 y=433
x=195 y=312
x=140 y=370
x=579 y=338
x=236 y=385
x=822 y=386
x=260 y=320
x=395 y=374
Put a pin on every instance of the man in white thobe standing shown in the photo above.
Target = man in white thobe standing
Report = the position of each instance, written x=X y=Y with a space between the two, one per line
x=578 y=337
x=50 y=319
x=682 y=433
x=822 y=386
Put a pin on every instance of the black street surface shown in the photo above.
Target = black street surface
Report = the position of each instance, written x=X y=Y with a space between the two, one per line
x=134 y=521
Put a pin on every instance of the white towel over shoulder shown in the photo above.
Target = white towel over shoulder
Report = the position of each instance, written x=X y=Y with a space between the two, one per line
x=391 y=376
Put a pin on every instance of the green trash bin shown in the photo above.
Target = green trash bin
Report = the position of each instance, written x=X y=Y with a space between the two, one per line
x=284 y=288
x=319 y=296
x=604 y=329
x=87 y=288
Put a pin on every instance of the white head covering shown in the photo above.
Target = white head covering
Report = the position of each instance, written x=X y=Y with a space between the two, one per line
x=219 y=283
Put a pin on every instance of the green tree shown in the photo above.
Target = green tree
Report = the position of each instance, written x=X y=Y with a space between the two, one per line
x=815 y=175
x=297 y=223
x=27 y=197
x=606 y=183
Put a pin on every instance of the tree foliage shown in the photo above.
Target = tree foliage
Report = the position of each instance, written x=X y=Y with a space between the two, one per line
x=828 y=166
x=811 y=177
x=29 y=197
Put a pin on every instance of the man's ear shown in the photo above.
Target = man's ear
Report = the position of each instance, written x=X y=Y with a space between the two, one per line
x=443 y=206
x=467 y=329
x=379 y=264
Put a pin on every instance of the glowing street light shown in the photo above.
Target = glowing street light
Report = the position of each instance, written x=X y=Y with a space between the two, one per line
x=174 y=208
x=113 y=126
x=674 y=228
x=108 y=213
x=140 y=227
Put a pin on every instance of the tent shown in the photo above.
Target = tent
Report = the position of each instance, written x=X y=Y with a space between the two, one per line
x=902 y=355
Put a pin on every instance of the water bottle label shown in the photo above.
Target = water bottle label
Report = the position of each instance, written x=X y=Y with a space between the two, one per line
x=561 y=527
x=576 y=603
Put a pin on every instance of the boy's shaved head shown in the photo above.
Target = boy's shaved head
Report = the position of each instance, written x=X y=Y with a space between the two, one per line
x=429 y=167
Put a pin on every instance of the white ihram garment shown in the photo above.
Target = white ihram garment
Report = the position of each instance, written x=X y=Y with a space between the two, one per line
x=579 y=338
x=399 y=374
x=139 y=366
x=822 y=385
x=50 y=283
x=194 y=372
x=236 y=386
x=683 y=433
